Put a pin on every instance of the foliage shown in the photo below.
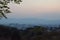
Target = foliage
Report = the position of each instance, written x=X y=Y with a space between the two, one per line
x=32 y=33
x=4 y=8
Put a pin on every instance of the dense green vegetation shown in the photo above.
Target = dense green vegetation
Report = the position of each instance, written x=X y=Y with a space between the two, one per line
x=31 y=33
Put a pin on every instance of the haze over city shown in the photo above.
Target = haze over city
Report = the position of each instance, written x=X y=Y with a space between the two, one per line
x=34 y=10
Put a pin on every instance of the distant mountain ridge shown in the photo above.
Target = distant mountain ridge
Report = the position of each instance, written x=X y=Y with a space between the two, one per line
x=28 y=21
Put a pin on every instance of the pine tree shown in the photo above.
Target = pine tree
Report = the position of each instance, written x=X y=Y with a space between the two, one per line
x=4 y=8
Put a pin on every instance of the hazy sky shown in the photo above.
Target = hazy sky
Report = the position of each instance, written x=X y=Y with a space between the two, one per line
x=42 y=9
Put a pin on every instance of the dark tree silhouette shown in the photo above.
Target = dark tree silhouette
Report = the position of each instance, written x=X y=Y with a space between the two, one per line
x=4 y=8
x=31 y=33
x=15 y=35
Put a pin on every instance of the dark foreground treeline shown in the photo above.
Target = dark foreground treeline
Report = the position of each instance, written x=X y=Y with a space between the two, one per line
x=32 y=33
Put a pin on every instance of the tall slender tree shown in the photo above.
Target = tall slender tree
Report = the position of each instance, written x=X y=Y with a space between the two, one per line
x=4 y=7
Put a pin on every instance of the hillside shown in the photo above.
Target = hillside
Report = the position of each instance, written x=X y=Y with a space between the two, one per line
x=31 y=33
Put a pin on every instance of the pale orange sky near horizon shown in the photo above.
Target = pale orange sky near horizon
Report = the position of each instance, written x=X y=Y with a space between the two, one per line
x=36 y=9
x=37 y=5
